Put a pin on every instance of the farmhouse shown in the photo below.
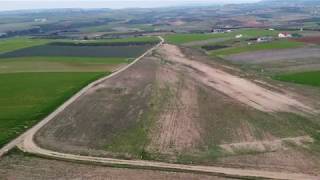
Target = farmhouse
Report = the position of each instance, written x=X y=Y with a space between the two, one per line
x=284 y=35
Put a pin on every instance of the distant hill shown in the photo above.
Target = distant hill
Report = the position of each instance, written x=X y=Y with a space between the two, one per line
x=293 y=2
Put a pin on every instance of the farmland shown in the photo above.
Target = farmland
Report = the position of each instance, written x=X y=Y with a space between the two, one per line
x=223 y=95
x=311 y=39
x=306 y=78
x=187 y=38
x=61 y=64
x=36 y=77
x=28 y=97
x=169 y=112
x=12 y=44
x=281 y=44
x=71 y=51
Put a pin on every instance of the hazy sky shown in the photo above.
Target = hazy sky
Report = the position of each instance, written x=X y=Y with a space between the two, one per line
x=115 y=4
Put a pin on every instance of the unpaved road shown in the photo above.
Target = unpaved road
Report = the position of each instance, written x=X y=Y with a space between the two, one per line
x=27 y=144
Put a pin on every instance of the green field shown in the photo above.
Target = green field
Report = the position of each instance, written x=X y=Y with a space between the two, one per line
x=37 y=81
x=60 y=64
x=27 y=97
x=133 y=39
x=283 y=44
x=12 y=44
x=307 y=78
x=247 y=33
x=76 y=51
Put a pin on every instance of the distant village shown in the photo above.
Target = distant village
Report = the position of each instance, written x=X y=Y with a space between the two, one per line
x=263 y=39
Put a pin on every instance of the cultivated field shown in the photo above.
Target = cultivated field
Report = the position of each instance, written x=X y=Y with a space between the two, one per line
x=28 y=97
x=188 y=38
x=78 y=51
x=34 y=82
x=12 y=44
x=310 y=39
x=308 y=78
x=281 y=44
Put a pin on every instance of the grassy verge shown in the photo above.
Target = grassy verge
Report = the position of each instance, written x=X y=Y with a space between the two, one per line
x=134 y=140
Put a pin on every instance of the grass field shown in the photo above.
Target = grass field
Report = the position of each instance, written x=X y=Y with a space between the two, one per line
x=283 y=44
x=306 y=78
x=84 y=51
x=134 y=39
x=60 y=64
x=12 y=44
x=27 y=97
x=247 y=33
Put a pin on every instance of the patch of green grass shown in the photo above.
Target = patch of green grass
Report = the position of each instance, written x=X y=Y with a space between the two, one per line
x=186 y=38
x=60 y=64
x=256 y=47
x=306 y=78
x=247 y=33
x=134 y=140
x=25 y=98
x=211 y=154
x=12 y=44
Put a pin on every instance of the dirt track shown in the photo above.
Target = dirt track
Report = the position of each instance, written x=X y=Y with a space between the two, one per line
x=238 y=88
x=214 y=78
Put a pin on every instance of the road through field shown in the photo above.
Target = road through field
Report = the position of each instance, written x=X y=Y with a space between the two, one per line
x=26 y=143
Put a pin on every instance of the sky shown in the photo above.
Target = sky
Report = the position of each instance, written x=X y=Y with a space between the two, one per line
x=113 y=4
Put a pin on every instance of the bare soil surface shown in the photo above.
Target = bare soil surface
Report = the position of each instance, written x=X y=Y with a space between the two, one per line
x=19 y=167
x=310 y=39
x=109 y=108
x=238 y=88
x=178 y=106
x=176 y=128
x=276 y=55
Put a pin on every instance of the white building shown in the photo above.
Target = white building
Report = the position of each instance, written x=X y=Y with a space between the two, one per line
x=239 y=36
x=284 y=35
